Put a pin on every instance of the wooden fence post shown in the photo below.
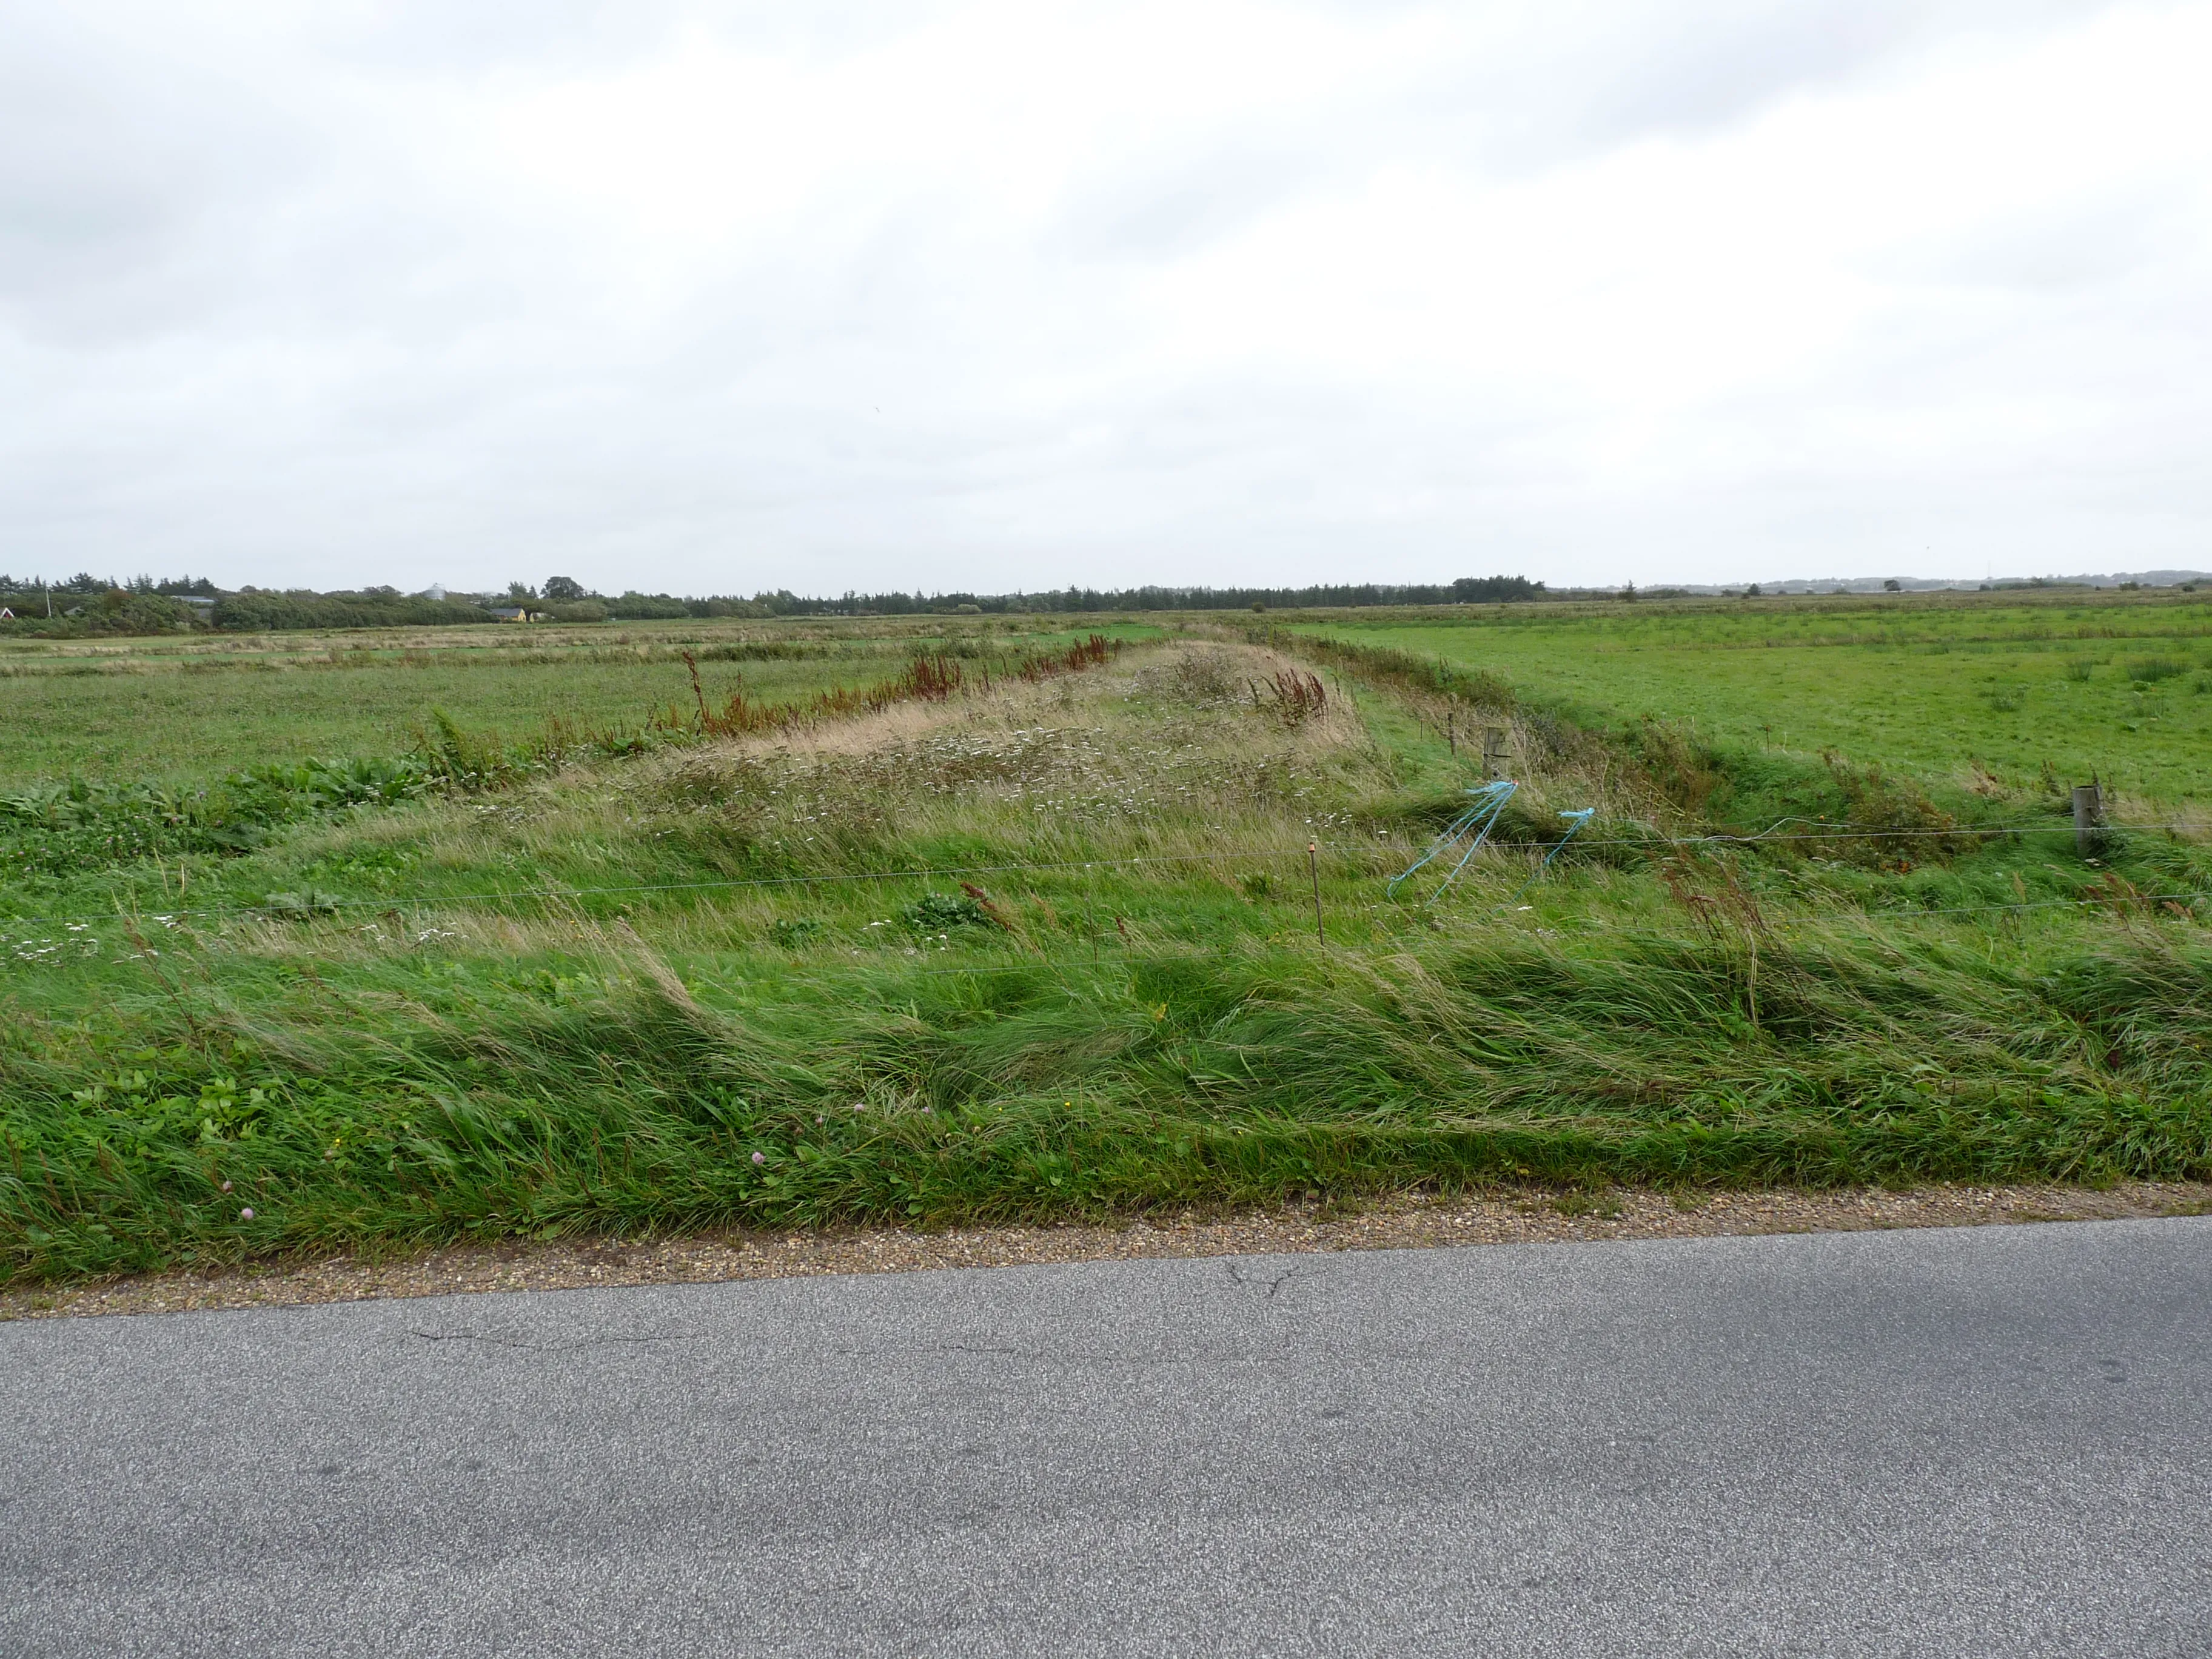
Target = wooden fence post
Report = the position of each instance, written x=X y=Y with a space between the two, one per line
x=2088 y=815
x=1495 y=752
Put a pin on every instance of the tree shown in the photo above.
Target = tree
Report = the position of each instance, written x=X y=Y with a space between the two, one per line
x=1893 y=586
x=1752 y=592
x=520 y=592
x=564 y=590
x=1490 y=590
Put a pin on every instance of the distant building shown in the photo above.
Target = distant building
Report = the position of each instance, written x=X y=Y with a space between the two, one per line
x=509 y=613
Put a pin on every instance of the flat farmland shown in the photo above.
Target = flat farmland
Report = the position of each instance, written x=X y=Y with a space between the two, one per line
x=185 y=711
x=1972 y=689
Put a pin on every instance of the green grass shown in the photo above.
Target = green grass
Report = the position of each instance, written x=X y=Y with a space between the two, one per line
x=1980 y=691
x=604 y=1089
x=190 y=711
x=692 y=987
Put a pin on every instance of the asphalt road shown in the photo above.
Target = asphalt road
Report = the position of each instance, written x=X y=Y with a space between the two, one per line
x=1994 y=1441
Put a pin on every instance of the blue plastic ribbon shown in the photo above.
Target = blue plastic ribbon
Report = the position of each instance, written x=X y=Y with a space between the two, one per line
x=1480 y=818
x=1581 y=815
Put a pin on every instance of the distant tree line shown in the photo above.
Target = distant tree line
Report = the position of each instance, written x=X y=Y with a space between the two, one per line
x=253 y=610
x=563 y=598
x=84 y=583
x=1467 y=590
x=89 y=605
x=85 y=604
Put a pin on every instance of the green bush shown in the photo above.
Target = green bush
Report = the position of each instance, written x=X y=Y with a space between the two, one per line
x=646 y=607
x=938 y=913
x=70 y=828
x=255 y=611
x=115 y=613
x=2151 y=670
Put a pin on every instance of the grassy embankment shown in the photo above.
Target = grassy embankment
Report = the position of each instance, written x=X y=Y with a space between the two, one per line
x=1084 y=1035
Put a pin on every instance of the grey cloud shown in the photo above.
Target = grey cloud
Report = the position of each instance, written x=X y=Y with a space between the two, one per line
x=1170 y=206
x=471 y=37
x=1697 y=72
x=475 y=37
x=2064 y=245
x=111 y=161
x=239 y=329
x=1592 y=77
x=1586 y=80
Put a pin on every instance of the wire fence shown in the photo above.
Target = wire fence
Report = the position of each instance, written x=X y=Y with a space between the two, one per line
x=431 y=901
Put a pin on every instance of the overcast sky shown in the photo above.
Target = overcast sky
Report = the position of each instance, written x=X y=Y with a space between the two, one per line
x=725 y=297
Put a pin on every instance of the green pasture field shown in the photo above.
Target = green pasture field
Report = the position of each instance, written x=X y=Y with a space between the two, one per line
x=189 y=710
x=1977 y=690
x=1053 y=950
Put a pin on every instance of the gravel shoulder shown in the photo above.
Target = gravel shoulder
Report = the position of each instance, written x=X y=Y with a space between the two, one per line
x=1527 y=1217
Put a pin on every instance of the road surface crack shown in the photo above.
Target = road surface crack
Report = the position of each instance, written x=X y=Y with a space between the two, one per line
x=1236 y=1276
x=495 y=1340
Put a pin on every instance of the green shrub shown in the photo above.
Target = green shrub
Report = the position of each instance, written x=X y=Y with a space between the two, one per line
x=254 y=611
x=2150 y=670
x=74 y=827
x=938 y=913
